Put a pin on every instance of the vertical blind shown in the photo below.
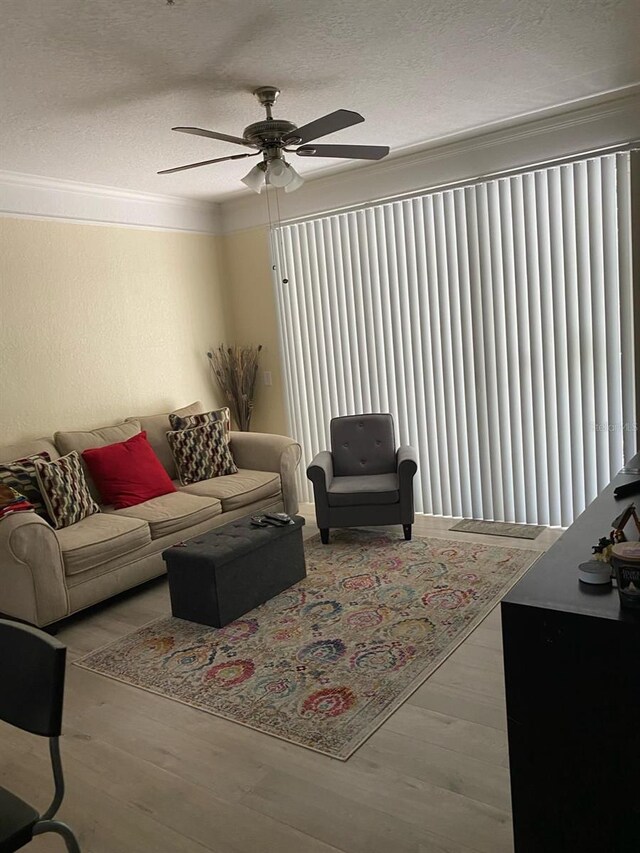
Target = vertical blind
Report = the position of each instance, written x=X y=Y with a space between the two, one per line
x=494 y=321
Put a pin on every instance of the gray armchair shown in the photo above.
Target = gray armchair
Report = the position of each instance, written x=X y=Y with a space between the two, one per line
x=363 y=480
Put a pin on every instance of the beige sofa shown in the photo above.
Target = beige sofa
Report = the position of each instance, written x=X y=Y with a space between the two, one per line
x=47 y=574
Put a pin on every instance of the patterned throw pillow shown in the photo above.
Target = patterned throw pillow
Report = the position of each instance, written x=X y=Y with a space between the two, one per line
x=201 y=453
x=12 y=501
x=21 y=476
x=191 y=421
x=65 y=490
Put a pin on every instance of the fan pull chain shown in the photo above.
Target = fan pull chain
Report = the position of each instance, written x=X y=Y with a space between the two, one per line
x=283 y=255
x=279 y=236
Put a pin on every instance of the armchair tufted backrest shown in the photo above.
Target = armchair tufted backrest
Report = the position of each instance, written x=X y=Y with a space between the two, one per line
x=363 y=444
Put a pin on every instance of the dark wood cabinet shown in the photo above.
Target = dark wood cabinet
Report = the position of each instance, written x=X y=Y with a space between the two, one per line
x=572 y=674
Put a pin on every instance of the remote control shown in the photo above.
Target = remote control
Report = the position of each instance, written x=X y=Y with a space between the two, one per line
x=259 y=521
x=280 y=517
x=626 y=489
x=272 y=521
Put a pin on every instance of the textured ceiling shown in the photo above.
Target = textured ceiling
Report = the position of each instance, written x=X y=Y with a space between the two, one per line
x=91 y=88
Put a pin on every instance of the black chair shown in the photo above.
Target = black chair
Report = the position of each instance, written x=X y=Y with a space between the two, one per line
x=32 y=666
x=364 y=479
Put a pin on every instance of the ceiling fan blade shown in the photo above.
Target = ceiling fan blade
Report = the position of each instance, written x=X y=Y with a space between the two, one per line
x=355 y=152
x=322 y=126
x=206 y=163
x=212 y=134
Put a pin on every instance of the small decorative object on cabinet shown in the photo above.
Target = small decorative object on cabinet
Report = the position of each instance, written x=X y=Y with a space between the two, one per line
x=595 y=572
x=620 y=522
x=602 y=551
x=625 y=557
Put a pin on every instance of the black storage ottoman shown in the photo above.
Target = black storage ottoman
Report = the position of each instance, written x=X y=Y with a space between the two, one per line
x=218 y=576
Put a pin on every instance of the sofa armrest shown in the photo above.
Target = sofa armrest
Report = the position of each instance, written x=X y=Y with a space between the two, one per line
x=261 y=451
x=32 y=580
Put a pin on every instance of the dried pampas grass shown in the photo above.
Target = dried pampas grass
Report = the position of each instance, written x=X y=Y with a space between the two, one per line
x=235 y=370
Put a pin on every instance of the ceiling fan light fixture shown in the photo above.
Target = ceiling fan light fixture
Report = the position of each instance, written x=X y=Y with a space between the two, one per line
x=278 y=174
x=296 y=181
x=282 y=174
x=255 y=179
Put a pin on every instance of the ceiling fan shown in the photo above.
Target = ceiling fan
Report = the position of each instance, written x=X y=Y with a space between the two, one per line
x=271 y=138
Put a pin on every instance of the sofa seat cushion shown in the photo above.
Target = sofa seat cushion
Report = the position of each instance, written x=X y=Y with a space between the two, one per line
x=99 y=539
x=367 y=489
x=173 y=513
x=238 y=490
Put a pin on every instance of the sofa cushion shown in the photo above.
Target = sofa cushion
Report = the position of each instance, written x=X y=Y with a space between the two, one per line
x=21 y=476
x=201 y=453
x=128 y=472
x=239 y=489
x=173 y=513
x=64 y=489
x=157 y=426
x=99 y=539
x=80 y=440
x=28 y=448
x=368 y=489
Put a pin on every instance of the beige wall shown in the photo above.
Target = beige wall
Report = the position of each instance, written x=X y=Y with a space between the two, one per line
x=102 y=322
x=252 y=312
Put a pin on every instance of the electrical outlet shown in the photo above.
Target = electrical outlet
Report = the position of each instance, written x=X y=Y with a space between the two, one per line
x=267 y=377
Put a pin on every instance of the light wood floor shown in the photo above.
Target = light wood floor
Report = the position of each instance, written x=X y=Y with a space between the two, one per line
x=148 y=774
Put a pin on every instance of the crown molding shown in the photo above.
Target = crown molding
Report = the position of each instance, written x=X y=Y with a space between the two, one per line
x=589 y=124
x=32 y=196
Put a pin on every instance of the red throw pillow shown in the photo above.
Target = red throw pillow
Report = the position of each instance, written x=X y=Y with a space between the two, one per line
x=128 y=472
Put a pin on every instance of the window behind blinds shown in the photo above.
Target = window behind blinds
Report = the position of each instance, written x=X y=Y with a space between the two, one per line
x=493 y=321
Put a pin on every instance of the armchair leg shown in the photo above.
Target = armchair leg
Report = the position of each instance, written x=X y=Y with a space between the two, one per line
x=407 y=531
x=324 y=535
x=61 y=829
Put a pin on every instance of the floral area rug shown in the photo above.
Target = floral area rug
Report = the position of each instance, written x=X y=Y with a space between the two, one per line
x=324 y=663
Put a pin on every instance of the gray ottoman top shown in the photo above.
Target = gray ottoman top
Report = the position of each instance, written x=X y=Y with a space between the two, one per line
x=231 y=541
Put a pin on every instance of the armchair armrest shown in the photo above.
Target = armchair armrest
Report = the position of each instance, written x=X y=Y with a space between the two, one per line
x=320 y=470
x=261 y=451
x=407 y=465
x=32 y=580
x=407 y=462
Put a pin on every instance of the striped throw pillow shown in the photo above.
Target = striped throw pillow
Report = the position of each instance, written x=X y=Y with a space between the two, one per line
x=201 y=453
x=190 y=421
x=21 y=476
x=65 y=490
